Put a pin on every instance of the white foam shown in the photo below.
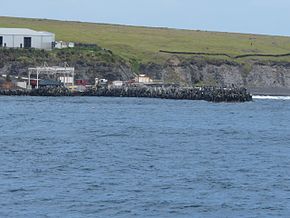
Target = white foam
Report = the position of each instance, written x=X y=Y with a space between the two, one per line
x=271 y=97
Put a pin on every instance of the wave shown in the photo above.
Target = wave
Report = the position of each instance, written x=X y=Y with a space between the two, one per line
x=271 y=97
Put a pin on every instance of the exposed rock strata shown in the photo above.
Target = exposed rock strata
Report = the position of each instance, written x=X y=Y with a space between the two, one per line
x=255 y=76
x=264 y=78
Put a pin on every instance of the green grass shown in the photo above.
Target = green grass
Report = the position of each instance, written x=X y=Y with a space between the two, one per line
x=142 y=44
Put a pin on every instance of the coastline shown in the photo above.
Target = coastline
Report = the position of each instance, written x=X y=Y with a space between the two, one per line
x=208 y=94
x=285 y=92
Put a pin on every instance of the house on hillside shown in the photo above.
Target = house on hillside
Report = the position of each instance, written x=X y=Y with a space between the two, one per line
x=142 y=78
x=26 y=38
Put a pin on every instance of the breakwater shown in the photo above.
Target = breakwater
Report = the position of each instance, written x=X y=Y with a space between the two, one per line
x=211 y=94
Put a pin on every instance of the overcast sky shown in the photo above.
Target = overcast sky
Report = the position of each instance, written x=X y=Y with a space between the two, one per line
x=248 y=16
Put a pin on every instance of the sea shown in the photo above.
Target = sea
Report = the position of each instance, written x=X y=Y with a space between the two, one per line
x=138 y=157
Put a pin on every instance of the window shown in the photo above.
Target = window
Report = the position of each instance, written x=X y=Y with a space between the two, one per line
x=27 y=42
x=1 y=41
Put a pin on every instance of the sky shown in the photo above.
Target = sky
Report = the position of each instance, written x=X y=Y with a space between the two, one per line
x=246 y=16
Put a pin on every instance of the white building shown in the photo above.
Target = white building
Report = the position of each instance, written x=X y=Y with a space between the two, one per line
x=67 y=80
x=26 y=38
x=61 y=45
x=142 y=78
x=117 y=83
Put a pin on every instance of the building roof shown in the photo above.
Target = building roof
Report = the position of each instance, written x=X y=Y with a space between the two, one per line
x=23 y=31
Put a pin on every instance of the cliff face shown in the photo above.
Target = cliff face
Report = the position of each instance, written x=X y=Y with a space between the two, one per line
x=88 y=64
x=258 y=77
x=111 y=71
x=271 y=78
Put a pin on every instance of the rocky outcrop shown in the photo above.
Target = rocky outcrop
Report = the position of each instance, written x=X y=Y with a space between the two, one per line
x=272 y=78
x=88 y=64
x=110 y=71
x=275 y=75
x=88 y=71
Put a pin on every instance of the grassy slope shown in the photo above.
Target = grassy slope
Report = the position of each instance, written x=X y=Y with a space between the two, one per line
x=143 y=44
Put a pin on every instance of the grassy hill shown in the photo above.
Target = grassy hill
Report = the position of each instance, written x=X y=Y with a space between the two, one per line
x=143 y=43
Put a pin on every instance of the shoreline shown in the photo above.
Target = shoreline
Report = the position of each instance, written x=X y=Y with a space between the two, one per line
x=285 y=92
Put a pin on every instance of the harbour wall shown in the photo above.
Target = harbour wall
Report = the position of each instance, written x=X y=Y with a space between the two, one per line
x=211 y=94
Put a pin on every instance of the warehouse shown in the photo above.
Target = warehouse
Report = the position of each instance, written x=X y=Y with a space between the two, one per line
x=26 y=38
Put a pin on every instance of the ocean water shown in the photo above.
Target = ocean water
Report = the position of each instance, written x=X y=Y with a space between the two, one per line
x=129 y=157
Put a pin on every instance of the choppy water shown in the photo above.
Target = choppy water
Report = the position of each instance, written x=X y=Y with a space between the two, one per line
x=120 y=157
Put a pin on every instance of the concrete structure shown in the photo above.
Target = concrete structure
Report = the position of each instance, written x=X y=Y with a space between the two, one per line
x=67 y=81
x=26 y=38
x=142 y=78
x=96 y=81
x=22 y=85
x=117 y=83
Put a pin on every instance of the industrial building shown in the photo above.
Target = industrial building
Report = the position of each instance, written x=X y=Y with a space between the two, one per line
x=64 y=74
x=26 y=38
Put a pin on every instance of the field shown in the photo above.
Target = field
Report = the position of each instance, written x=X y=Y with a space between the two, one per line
x=142 y=44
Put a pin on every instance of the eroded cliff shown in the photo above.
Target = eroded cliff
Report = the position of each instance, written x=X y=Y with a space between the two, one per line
x=259 y=77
